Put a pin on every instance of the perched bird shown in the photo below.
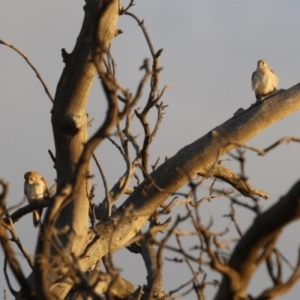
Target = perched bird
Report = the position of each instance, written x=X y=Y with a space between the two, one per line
x=264 y=80
x=35 y=189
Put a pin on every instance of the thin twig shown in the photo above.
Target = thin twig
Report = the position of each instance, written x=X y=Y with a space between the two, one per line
x=7 y=278
x=141 y=24
x=16 y=239
x=281 y=141
x=231 y=215
x=107 y=195
x=32 y=67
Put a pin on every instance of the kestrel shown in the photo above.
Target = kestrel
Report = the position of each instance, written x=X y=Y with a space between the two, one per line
x=35 y=189
x=264 y=80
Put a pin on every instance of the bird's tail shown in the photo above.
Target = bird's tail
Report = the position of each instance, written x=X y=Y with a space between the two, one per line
x=37 y=215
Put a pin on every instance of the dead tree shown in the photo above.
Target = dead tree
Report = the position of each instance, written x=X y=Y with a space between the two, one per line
x=76 y=234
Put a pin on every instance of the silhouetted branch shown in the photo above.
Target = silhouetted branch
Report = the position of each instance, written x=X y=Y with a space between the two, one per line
x=13 y=292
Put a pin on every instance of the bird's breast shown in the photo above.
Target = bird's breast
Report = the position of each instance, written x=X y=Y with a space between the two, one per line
x=35 y=191
x=264 y=82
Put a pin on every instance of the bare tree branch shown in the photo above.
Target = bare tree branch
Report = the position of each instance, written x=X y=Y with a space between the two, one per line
x=227 y=175
x=109 y=202
x=244 y=259
x=13 y=292
x=18 y=214
x=281 y=141
x=153 y=97
x=31 y=66
x=16 y=239
x=282 y=288
x=69 y=252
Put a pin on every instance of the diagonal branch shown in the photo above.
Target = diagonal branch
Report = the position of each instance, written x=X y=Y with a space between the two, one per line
x=227 y=175
x=178 y=170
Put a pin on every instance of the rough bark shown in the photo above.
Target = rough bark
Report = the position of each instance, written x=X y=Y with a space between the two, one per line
x=69 y=122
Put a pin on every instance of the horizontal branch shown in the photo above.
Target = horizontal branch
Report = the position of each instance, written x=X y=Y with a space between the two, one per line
x=19 y=213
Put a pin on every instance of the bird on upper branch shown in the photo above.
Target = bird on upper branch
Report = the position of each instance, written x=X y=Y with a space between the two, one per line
x=264 y=81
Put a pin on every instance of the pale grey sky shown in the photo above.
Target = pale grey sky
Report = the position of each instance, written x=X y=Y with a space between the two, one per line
x=210 y=51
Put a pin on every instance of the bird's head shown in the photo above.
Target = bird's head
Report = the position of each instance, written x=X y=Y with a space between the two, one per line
x=30 y=177
x=262 y=64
